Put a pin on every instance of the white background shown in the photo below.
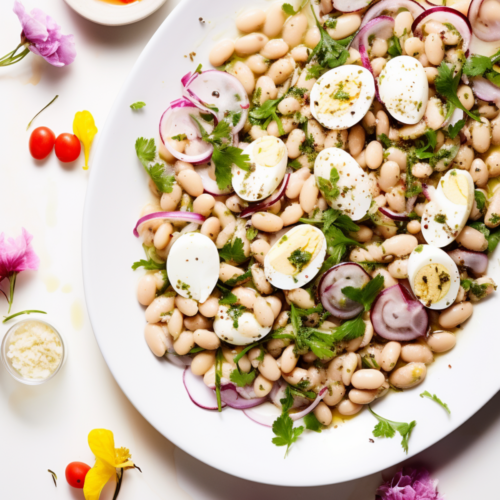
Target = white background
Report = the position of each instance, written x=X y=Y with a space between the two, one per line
x=46 y=427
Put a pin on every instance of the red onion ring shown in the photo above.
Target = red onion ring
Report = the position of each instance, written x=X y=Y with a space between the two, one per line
x=178 y=216
x=365 y=61
x=429 y=191
x=182 y=361
x=486 y=32
x=391 y=6
x=209 y=184
x=200 y=394
x=445 y=15
x=263 y=415
x=381 y=27
x=485 y=90
x=400 y=216
x=310 y=408
x=229 y=395
x=476 y=262
x=395 y=315
x=351 y=5
x=269 y=202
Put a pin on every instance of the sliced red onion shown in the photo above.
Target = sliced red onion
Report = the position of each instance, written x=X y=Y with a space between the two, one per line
x=429 y=192
x=365 y=61
x=185 y=79
x=403 y=216
x=181 y=361
x=206 y=171
x=310 y=408
x=379 y=27
x=230 y=396
x=198 y=392
x=278 y=393
x=395 y=315
x=485 y=90
x=391 y=7
x=214 y=88
x=476 y=262
x=410 y=203
x=176 y=216
x=176 y=120
x=265 y=414
x=330 y=289
x=444 y=15
x=351 y=5
x=269 y=202
x=484 y=29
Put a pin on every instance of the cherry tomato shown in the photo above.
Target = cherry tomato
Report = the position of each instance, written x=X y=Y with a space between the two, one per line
x=42 y=141
x=75 y=474
x=68 y=147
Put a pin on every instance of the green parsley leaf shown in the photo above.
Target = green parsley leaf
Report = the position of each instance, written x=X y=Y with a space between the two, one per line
x=233 y=251
x=299 y=258
x=446 y=84
x=493 y=77
x=138 y=105
x=252 y=233
x=232 y=117
x=196 y=350
x=413 y=185
x=228 y=298
x=163 y=182
x=454 y=130
x=286 y=433
x=241 y=379
x=331 y=23
x=312 y=423
x=367 y=294
x=307 y=148
x=295 y=164
x=329 y=188
x=481 y=227
x=350 y=329
x=477 y=65
x=148 y=265
x=427 y=150
x=478 y=290
x=239 y=279
x=180 y=137
x=494 y=219
x=427 y=394
x=235 y=312
x=493 y=240
x=198 y=68
x=386 y=142
x=394 y=48
x=219 y=360
x=145 y=150
x=388 y=428
x=341 y=94
x=480 y=199
x=288 y=9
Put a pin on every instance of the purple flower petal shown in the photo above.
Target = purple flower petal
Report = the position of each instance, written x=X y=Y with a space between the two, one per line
x=17 y=255
x=409 y=484
x=33 y=29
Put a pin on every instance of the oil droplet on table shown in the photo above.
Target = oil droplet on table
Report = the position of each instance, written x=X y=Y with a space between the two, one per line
x=51 y=283
x=67 y=288
x=37 y=64
x=77 y=315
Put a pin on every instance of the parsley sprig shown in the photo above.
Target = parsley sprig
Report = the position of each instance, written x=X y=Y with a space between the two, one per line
x=433 y=397
x=146 y=152
x=367 y=294
x=387 y=428
x=477 y=65
x=329 y=187
x=242 y=379
x=286 y=433
x=233 y=251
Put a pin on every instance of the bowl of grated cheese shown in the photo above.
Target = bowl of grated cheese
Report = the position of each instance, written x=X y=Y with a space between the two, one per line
x=33 y=351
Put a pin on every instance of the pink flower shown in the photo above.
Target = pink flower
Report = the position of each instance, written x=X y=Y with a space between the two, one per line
x=42 y=36
x=16 y=255
x=409 y=484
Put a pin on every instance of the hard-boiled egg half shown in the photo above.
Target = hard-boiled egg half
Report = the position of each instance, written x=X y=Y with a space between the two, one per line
x=433 y=276
x=404 y=89
x=344 y=184
x=446 y=215
x=268 y=160
x=193 y=266
x=296 y=257
x=342 y=96
x=237 y=326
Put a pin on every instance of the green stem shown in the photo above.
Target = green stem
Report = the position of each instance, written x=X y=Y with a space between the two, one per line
x=118 y=484
x=12 y=281
x=13 y=58
x=29 y=311
x=10 y=54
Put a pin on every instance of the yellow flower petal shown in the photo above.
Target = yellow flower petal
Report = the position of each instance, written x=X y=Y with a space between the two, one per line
x=96 y=478
x=102 y=444
x=84 y=128
x=122 y=456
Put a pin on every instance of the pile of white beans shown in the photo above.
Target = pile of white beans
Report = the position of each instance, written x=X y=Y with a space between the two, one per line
x=271 y=55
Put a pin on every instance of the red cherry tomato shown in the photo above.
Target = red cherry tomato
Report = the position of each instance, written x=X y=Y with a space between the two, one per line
x=75 y=474
x=68 y=147
x=42 y=141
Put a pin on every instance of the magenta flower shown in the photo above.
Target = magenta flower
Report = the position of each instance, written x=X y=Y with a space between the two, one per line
x=409 y=484
x=42 y=36
x=16 y=255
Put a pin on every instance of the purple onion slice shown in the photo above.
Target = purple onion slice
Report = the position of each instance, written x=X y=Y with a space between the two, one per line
x=444 y=15
x=351 y=5
x=207 y=173
x=395 y=315
x=265 y=414
x=180 y=216
x=485 y=29
x=310 y=408
x=330 y=289
x=379 y=27
x=230 y=395
x=486 y=90
x=391 y=8
x=269 y=202
x=476 y=262
x=199 y=393
x=365 y=61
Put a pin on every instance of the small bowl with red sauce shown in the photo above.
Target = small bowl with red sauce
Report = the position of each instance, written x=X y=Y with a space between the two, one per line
x=115 y=12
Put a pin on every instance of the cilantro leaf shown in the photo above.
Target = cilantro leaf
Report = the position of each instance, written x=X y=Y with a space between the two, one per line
x=239 y=279
x=233 y=251
x=350 y=329
x=329 y=187
x=367 y=294
x=394 y=48
x=424 y=152
x=262 y=115
x=386 y=142
x=145 y=150
x=228 y=298
x=252 y=233
x=427 y=394
x=179 y=137
x=388 y=428
x=241 y=379
x=477 y=65
x=480 y=199
x=288 y=9
x=138 y=105
x=286 y=433
x=454 y=130
x=312 y=423
x=148 y=265
x=413 y=185
x=446 y=84
x=163 y=182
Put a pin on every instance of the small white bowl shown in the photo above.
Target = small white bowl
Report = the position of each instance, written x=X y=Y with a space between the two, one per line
x=109 y=14
x=7 y=363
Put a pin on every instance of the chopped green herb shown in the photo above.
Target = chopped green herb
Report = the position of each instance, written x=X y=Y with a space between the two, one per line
x=494 y=219
x=286 y=433
x=180 y=137
x=388 y=428
x=235 y=312
x=312 y=423
x=146 y=152
x=329 y=188
x=427 y=394
x=480 y=200
x=454 y=130
x=440 y=218
x=241 y=379
x=299 y=258
x=233 y=251
x=239 y=279
x=394 y=49
x=138 y=105
x=252 y=233
x=367 y=294
x=219 y=360
x=386 y=142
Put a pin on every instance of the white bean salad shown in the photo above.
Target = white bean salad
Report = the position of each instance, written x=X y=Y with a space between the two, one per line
x=325 y=202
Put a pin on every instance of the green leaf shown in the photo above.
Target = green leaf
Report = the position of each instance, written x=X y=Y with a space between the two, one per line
x=312 y=423
x=242 y=379
x=252 y=233
x=446 y=84
x=388 y=428
x=288 y=9
x=480 y=199
x=228 y=298
x=493 y=240
x=434 y=398
x=454 y=130
x=295 y=164
x=235 y=312
x=138 y=105
x=145 y=150
x=329 y=187
x=299 y=258
x=239 y=279
x=427 y=150
x=386 y=142
x=350 y=329
x=285 y=433
x=476 y=65
x=148 y=265
x=163 y=182
x=219 y=360
x=233 y=251
x=180 y=137
x=493 y=77
x=394 y=48
x=367 y=294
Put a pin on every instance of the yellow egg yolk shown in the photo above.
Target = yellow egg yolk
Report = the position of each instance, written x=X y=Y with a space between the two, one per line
x=432 y=283
x=456 y=189
x=268 y=152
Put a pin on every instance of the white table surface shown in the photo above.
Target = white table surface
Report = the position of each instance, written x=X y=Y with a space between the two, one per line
x=46 y=427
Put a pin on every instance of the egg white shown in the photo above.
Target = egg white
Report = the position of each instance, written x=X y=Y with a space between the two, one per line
x=331 y=107
x=193 y=266
x=355 y=197
x=224 y=329
x=290 y=282
x=456 y=216
x=404 y=89
x=424 y=255
x=262 y=180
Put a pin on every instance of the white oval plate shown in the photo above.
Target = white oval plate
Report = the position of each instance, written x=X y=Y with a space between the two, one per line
x=466 y=378
x=115 y=15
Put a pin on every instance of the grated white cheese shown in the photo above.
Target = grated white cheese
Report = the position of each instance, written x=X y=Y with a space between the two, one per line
x=35 y=350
